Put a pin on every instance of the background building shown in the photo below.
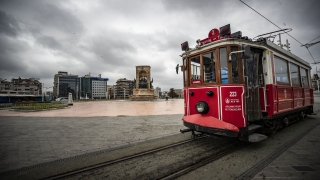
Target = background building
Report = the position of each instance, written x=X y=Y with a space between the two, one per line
x=65 y=83
x=86 y=86
x=93 y=87
x=157 y=92
x=30 y=86
x=109 y=92
x=29 y=89
x=179 y=93
x=99 y=87
x=123 y=88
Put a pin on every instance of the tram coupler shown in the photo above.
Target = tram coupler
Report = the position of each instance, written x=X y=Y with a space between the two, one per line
x=185 y=130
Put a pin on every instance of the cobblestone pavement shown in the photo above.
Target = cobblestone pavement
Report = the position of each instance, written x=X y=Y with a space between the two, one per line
x=28 y=141
x=301 y=161
x=29 y=138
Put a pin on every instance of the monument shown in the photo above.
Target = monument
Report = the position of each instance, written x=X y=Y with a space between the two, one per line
x=143 y=90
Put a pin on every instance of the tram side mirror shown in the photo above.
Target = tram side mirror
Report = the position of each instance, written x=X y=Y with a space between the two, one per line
x=247 y=51
x=177 y=68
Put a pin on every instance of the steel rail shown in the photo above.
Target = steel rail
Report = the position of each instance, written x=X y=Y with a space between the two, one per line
x=107 y=163
x=203 y=162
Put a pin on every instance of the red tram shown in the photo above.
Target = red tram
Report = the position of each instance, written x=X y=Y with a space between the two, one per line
x=237 y=87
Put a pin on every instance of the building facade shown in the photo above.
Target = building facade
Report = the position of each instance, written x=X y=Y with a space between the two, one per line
x=99 y=87
x=65 y=83
x=86 y=87
x=157 y=92
x=31 y=86
x=123 y=89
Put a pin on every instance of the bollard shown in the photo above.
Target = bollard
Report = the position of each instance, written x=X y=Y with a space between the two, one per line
x=70 y=101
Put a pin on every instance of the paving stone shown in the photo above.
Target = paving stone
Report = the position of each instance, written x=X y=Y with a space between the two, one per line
x=301 y=161
x=32 y=140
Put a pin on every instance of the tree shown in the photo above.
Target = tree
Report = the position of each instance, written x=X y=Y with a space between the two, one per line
x=172 y=93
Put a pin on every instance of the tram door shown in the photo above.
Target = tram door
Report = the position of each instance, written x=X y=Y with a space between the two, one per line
x=252 y=69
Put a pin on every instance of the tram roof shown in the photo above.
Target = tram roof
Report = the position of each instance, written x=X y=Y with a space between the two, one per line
x=266 y=45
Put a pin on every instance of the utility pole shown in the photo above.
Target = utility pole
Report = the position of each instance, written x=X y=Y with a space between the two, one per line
x=42 y=89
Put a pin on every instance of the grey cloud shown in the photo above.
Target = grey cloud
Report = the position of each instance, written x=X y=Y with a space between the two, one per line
x=52 y=16
x=44 y=14
x=9 y=54
x=10 y=64
x=112 y=51
x=8 y=24
x=49 y=42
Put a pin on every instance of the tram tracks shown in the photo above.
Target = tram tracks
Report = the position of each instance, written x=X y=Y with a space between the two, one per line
x=119 y=160
x=204 y=161
x=166 y=162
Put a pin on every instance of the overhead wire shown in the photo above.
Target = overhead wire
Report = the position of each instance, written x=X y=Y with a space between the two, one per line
x=313 y=39
x=270 y=21
x=280 y=28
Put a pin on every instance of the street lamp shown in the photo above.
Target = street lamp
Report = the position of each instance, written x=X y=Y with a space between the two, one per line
x=114 y=92
x=42 y=88
x=124 y=93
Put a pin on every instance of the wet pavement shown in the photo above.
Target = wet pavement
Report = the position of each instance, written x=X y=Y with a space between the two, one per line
x=109 y=108
x=30 y=138
x=301 y=161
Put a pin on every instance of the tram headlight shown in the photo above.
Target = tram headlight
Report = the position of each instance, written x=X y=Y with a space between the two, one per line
x=202 y=107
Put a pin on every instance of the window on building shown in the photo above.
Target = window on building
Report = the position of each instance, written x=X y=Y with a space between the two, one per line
x=281 y=68
x=294 y=72
x=304 y=77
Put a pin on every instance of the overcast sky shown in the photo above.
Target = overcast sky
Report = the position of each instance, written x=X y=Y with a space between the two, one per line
x=38 y=38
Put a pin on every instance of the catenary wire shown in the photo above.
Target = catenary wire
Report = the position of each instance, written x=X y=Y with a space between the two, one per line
x=279 y=27
x=269 y=21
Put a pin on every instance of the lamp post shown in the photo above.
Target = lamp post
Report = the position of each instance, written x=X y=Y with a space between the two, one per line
x=124 y=93
x=114 y=93
x=42 y=88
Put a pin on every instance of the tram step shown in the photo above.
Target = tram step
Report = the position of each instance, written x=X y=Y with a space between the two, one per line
x=255 y=137
x=254 y=127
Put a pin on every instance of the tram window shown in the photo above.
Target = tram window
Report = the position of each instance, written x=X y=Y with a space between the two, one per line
x=281 y=69
x=304 y=77
x=294 y=71
x=223 y=65
x=234 y=62
x=209 y=67
x=195 y=70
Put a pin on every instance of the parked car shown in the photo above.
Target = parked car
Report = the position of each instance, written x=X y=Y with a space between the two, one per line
x=62 y=99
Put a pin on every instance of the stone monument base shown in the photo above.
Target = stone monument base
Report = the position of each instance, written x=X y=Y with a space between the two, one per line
x=142 y=95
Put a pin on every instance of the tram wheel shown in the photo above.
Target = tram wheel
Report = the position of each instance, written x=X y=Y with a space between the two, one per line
x=301 y=115
x=285 y=122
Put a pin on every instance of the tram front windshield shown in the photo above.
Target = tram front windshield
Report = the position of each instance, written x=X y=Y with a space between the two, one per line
x=214 y=67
